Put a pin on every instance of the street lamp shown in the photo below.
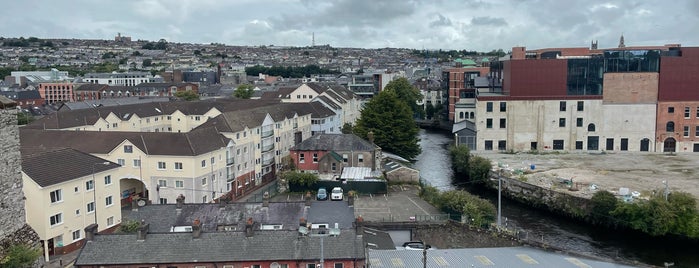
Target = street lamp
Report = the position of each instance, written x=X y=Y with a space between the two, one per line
x=94 y=187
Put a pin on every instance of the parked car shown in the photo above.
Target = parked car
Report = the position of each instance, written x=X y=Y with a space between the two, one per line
x=322 y=194
x=416 y=245
x=337 y=194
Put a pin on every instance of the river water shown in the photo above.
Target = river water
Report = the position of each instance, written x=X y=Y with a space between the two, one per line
x=435 y=169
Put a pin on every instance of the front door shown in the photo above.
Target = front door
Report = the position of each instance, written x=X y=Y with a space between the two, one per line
x=592 y=143
x=669 y=145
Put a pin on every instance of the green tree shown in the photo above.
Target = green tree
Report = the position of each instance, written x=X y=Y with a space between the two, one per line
x=187 y=95
x=459 y=159
x=19 y=256
x=243 y=91
x=478 y=168
x=391 y=121
x=408 y=94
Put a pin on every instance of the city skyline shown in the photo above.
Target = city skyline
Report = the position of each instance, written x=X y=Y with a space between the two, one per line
x=442 y=24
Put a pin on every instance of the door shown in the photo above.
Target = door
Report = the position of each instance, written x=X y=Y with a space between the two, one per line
x=669 y=145
x=592 y=143
x=645 y=145
x=610 y=144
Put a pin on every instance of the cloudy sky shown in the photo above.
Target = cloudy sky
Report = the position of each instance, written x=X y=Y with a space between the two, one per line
x=480 y=25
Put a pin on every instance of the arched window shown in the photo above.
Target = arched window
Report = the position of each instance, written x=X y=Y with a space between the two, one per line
x=670 y=126
x=591 y=127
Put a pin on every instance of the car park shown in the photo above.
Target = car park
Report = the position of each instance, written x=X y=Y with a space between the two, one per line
x=322 y=194
x=337 y=194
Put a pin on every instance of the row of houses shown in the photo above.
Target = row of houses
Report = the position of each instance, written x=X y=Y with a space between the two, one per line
x=82 y=166
x=585 y=99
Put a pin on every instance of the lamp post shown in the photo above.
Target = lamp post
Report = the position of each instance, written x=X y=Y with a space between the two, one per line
x=94 y=187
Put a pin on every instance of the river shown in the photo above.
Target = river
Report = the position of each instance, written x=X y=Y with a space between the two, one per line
x=435 y=168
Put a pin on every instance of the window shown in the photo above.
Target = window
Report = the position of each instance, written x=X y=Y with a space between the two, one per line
x=360 y=158
x=136 y=162
x=502 y=145
x=558 y=144
x=670 y=126
x=203 y=163
x=488 y=145
x=162 y=165
x=56 y=196
x=178 y=165
x=671 y=110
x=489 y=123
x=686 y=131
x=121 y=162
x=108 y=180
x=90 y=207
x=503 y=123
x=110 y=221
x=108 y=201
x=162 y=183
x=344 y=158
x=579 y=122
x=591 y=127
x=561 y=122
x=581 y=106
x=89 y=185
x=302 y=158
x=76 y=235
x=315 y=158
x=578 y=145
x=203 y=181
x=488 y=106
x=687 y=112
x=562 y=106
x=128 y=149
x=503 y=106
x=56 y=219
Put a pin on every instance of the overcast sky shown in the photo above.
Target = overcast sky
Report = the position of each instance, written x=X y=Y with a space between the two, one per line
x=480 y=25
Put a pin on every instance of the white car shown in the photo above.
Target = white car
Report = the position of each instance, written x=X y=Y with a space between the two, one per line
x=336 y=194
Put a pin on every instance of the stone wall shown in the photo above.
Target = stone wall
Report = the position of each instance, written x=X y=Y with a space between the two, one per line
x=12 y=219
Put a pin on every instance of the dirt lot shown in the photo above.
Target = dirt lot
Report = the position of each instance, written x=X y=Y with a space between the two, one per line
x=640 y=172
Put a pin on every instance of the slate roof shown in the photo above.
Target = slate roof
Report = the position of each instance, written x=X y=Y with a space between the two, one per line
x=162 y=217
x=61 y=165
x=161 y=248
x=193 y=143
x=334 y=142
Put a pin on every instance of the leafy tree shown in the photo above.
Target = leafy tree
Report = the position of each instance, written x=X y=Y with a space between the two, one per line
x=243 y=91
x=478 y=168
x=408 y=94
x=187 y=95
x=20 y=256
x=459 y=159
x=603 y=203
x=347 y=128
x=393 y=126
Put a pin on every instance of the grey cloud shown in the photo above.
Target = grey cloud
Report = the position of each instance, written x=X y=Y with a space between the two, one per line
x=440 y=21
x=489 y=21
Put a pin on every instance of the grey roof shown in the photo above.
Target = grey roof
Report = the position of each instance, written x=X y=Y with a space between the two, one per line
x=481 y=257
x=332 y=212
x=212 y=216
x=335 y=142
x=57 y=166
x=161 y=248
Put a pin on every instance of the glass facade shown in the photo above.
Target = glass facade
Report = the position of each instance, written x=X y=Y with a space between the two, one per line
x=585 y=76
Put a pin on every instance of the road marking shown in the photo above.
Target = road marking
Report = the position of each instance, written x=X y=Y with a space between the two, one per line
x=376 y=262
x=397 y=262
x=418 y=206
x=527 y=259
x=440 y=261
x=578 y=263
x=484 y=260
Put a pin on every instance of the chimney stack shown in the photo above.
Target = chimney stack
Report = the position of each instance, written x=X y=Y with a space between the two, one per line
x=265 y=199
x=142 y=231
x=248 y=227
x=90 y=231
x=180 y=201
x=196 y=229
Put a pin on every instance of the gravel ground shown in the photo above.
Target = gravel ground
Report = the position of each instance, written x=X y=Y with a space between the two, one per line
x=640 y=172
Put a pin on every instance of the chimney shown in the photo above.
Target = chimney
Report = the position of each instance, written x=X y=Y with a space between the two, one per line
x=90 y=231
x=180 y=201
x=248 y=227
x=370 y=136
x=196 y=229
x=265 y=199
x=142 y=231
